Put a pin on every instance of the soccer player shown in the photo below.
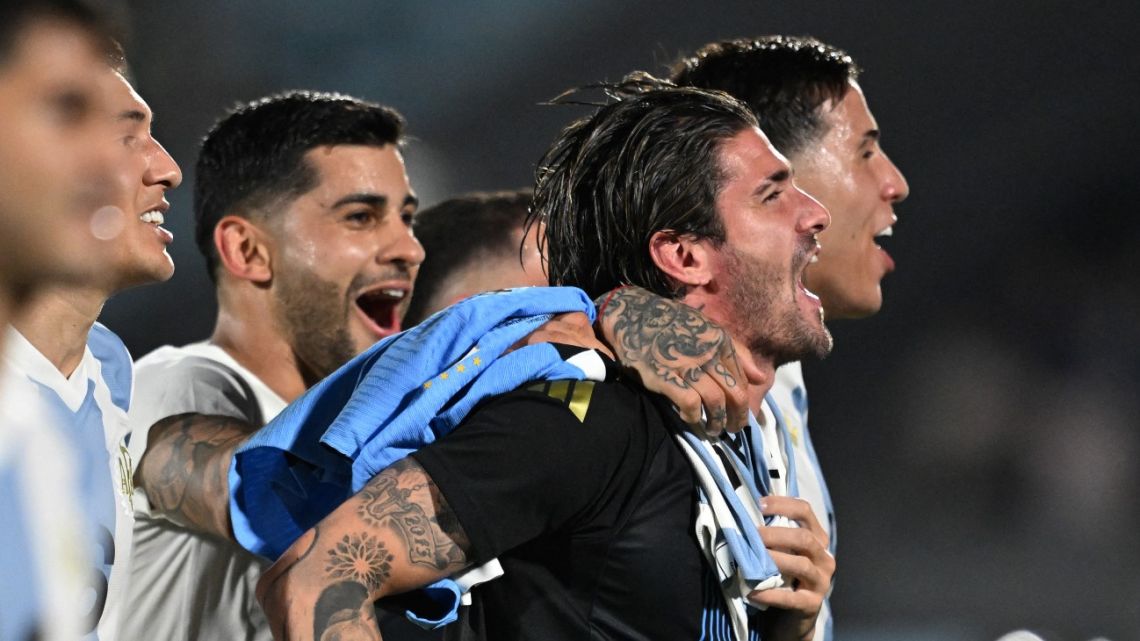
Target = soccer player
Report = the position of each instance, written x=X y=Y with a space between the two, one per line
x=303 y=213
x=807 y=98
x=81 y=367
x=474 y=243
x=589 y=504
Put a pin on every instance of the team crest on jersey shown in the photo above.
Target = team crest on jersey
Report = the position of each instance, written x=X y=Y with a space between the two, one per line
x=126 y=483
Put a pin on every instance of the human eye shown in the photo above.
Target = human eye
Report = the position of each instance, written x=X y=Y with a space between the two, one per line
x=360 y=217
x=773 y=197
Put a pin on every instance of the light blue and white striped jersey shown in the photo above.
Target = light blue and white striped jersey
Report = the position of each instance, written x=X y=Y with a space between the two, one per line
x=94 y=401
x=45 y=570
x=790 y=396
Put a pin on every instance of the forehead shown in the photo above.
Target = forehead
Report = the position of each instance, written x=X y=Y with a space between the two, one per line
x=53 y=52
x=121 y=99
x=850 y=117
x=749 y=157
x=359 y=168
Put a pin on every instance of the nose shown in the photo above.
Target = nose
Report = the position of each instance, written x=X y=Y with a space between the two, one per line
x=405 y=248
x=162 y=169
x=813 y=217
x=894 y=188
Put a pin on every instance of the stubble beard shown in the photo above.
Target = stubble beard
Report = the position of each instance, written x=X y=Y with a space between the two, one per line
x=764 y=302
x=314 y=316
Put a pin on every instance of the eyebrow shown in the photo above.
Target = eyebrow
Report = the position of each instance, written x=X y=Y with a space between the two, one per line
x=373 y=200
x=773 y=178
x=132 y=115
x=872 y=135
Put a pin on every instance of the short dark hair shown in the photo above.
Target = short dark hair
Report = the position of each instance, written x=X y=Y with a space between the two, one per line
x=646 y=163
x=783 y=79
x=103 y=20
x=254 y=157
x=460 y=231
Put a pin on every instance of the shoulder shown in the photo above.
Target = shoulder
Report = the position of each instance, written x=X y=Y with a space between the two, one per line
x=174 y=380
x=114 y=363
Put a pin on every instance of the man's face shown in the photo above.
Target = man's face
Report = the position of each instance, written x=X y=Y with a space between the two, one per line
x=131 y=218
x=770 y=230
x=849 y=174
x=51 y=159
x=346 y=258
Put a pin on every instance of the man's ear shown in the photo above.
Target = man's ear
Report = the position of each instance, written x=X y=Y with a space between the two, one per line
x=682 y=257
x=243 y=248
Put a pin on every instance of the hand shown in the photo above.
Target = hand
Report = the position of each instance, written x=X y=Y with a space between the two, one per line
x=675 y=351
x=301 y=604
x=802 y=556
x=572 y=328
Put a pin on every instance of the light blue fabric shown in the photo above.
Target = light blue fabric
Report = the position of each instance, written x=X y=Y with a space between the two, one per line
x=753 y=562
x=397 y=396
x=799 y=398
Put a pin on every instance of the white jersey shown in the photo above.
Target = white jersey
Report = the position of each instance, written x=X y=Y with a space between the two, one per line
x=790 y=396
x=93 y=402
x=45 y=586
x=187 y=586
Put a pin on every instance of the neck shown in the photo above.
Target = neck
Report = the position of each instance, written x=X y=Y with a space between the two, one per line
x=759 y=368
x=247 y=332
x=57 y=321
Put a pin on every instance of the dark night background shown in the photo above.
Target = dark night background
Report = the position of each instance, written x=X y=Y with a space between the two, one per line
x=980 y=433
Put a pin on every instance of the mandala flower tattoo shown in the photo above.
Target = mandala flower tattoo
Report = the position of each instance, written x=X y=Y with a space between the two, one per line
x=360 y=558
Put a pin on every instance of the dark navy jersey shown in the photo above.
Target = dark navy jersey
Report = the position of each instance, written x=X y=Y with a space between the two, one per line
x=582 y=493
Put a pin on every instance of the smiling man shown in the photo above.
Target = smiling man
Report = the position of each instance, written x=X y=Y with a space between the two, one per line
x=807 y=98
x=78 y=365
x=303 y=211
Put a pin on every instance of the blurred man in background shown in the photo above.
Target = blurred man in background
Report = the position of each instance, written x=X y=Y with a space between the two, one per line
x=52 y=151
x=80 y=367
x=474 y=243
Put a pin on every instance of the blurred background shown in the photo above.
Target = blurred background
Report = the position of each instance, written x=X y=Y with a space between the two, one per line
x=979 y=434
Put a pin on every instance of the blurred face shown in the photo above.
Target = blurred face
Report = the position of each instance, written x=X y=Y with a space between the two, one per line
x=131 y=217
x=770 y=239
x=51 y=158
x=850 y=175
x=346 y=258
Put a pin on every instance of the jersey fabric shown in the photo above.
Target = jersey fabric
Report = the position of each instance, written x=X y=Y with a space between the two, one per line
x=187 y=586
x=790 y=396
x=94 y=401
x=184 y=585
x=582 y=493
x=47 y=577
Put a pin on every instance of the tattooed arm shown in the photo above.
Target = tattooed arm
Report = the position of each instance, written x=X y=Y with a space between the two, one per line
x=398 y=533
x=185 y=470
x=677 y=352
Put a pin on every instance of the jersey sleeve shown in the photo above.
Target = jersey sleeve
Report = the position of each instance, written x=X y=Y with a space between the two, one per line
x=191 y=384
x=535 y=461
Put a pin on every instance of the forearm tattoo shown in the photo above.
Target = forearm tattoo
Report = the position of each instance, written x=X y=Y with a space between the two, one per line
x=674 y=341
x=392 y=499
x=185 y=470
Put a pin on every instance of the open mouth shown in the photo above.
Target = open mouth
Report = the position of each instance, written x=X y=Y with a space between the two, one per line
x=154 y=217
x=886 y=232
x=380 y=308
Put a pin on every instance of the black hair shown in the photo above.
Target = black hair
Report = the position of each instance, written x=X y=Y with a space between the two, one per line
x=254 y=157
x=646 y=163
x=102 y=20
x=460 y=231
x=783 y=79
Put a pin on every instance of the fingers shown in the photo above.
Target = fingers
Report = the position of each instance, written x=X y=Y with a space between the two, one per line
x=711 y=396
x=725 y=370
x=797 y=510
